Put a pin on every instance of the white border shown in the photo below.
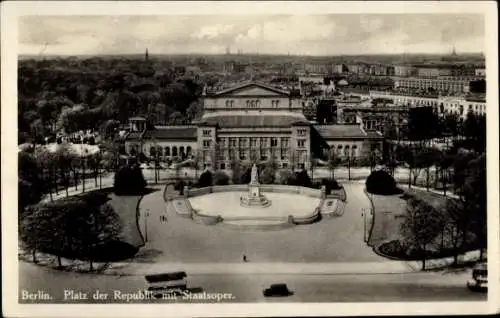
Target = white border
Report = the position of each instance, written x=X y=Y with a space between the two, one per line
x=10 y=12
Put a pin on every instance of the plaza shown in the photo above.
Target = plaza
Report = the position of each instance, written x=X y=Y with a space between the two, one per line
x=173 y=238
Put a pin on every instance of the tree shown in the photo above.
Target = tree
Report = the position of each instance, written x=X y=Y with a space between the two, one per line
x=267 y=175
x=474 y=193
x=382 y=183
x=333 y=161
x=302 y=179
x=286 y=176
x=29 y=184
x=205 y=179
x=73 y=228
x=236 y=171
x=221 y=178
x=129 y=180
x=421 y=226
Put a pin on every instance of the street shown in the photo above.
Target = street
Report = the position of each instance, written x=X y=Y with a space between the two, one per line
x=429 y=286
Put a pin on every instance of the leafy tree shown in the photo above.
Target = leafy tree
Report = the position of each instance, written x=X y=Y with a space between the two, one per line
x=221 y=178
x=421 y=226
x=129 y=180
x=286 y=176
x=381 y=183
x=205 y=179
x=267 y=175
x=302 y=179
x=236 y=171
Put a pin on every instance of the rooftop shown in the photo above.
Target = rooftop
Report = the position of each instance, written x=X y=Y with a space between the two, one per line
x=172 y=132
x=231 y=119
x=340 y=131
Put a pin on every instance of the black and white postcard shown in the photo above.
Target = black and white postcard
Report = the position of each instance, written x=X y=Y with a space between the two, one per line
x=249 y=158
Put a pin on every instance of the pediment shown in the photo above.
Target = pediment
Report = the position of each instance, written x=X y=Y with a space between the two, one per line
x=253 y=90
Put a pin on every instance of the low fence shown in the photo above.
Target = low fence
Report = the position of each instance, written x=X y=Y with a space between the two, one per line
x=274 y=188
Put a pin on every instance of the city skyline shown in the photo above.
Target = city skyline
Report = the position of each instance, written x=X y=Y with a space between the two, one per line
x=315 y=35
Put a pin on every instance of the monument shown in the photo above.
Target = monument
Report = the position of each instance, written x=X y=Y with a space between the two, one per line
x=254 y=198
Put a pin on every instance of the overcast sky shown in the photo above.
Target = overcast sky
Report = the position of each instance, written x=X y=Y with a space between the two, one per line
x=280 y=34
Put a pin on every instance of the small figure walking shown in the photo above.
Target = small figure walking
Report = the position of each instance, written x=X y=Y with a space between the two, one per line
x=244 y=258
x=163 y=219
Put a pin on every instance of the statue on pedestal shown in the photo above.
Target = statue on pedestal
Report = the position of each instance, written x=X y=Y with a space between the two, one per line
x=254 y=175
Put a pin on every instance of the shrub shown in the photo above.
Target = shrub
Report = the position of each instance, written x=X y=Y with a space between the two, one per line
x=286 y=176
x=302 y=179
x=330 y=184
x=129 y=181
x=246 y=176
x=380 y=182
x=221 y=178
x=205 y=179
x=268 y=175
x=27 y=194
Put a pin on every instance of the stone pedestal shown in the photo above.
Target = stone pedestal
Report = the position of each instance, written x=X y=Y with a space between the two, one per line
x=186 y=191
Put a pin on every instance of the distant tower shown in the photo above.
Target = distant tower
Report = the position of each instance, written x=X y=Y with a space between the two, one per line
x=453 y=52
x=147 y=55
x=228 y=50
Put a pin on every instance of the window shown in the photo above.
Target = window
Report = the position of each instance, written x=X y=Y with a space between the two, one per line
x=301 y=132
x=223 y=166
x=160 y=151
x=167 y=151
x=243 y=142
x=207 y=132
x=274 y=142
x=253 y=142
x=285 y=165
x=284 y=153
x=206 y=143
x=243 y=155
x=222 y=142
x=346 y=150
x=233 y=142
x=174 y=151
x=284 y=142
x=263 y=142
x=301 y=143
x=188 y=150
x=152 y=151
x=353 y=151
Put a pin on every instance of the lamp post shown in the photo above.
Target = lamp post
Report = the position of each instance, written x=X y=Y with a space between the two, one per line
x=363 y=214
x=146 y=226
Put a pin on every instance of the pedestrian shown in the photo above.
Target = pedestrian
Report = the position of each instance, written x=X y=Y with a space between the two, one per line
x=244 y=258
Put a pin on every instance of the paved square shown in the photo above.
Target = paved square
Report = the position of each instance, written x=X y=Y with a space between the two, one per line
x=177 y=239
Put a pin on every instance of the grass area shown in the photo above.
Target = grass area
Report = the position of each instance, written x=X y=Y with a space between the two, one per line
x=389 y=212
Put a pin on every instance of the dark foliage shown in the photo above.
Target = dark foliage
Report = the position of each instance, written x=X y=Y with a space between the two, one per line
x=221 y=178
x=205 y=179
x=330 y=184
x=382 y=183
x=129 y=181
x=302 y=179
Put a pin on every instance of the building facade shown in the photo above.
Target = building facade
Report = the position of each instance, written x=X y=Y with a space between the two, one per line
x=442 y=84
x=252 y=122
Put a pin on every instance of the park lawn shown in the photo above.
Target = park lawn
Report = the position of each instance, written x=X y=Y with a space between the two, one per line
x=436 y=200
x=126 y=207
x=389 y=212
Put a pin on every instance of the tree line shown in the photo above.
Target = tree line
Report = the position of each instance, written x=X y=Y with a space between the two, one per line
x=94 y=94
